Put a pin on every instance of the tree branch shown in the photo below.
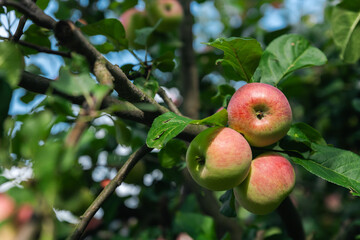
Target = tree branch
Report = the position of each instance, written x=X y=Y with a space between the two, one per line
x=32 y=11
x=168 y=101
x=19 y=30
x=108 y=190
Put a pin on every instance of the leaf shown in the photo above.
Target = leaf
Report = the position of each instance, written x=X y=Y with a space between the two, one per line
x=285 y=55
x=111 y=28
x=224 y=90
x=228 y=204
x=73 y=84
x=165 y=63
x=217 y=119
x=172 y=154
x=346 y=33
x=142 y=35
x=350 y=5
x=36 y=35
x=42 y=4
x=150 y=87
x=334 y=165
x=242 y=54
x=304 y=133
x=11 y=63
x=164 y=128
x=122 y=133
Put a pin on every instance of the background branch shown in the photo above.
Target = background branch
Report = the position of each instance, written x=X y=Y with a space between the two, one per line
x=108 y=190
x=168 y=101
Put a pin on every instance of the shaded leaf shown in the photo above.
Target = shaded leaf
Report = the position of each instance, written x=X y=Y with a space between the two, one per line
x=224 y=90
x=242 y=54
x=164 y=128
x=111 y=28
x=350 y=5
x=5 y=98
x=165 y=63
x=228 y=204
x=172 y=154
x=11 y=63
x=142 y=35
x=73 y=84
x=150 y=87
x=346 y=33
x=285 y=55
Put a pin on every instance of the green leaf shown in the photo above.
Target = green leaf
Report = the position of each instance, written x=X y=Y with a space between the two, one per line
x=142 y=35
x=285 y=55
x=172 y=154
x=164 y=128
x=42 y=4
x=111 y=28
x=165 y=63
x=242 y=54
x=11 y=63
x=304 y=133
x=219 y=118
x=350 y=5
x=198 y=226
x=346 y=33
x=150 y=87
x=334 y=165
x=73 y=84
x=122 y=133
x=36 y=35
x=228 y=204
x=224 y=90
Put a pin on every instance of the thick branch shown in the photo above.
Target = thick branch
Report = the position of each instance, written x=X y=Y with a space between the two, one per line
x=108 y=190
x=190 y=78
x=19 y=30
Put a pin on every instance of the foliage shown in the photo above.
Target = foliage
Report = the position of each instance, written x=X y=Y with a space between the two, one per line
x=79 y=131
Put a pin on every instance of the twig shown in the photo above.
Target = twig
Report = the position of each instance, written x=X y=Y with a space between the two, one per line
x=108 y=190
x=168 y=101
x=40 y=48
x=19 y=30
x=291 y=219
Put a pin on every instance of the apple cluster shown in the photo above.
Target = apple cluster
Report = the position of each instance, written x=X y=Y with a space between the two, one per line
x=169 y=11
x=220 y=158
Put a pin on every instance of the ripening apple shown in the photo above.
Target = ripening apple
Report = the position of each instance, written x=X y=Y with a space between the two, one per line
x=270 y=180
x=7 y=206
x=261 y=113
x=219 y=158
x=170 y=11
x=132 y=20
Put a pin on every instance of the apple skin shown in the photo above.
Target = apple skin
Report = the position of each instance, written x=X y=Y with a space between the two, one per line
x=270 y=181
x=7 y=206
x=132 y=20
x=261 y=113
x=219 y=158
x=170 y=11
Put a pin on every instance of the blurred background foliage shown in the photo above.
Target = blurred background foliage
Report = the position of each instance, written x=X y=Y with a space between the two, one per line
x=153 y=204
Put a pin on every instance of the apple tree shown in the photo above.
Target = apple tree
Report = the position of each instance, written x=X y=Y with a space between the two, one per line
x=110 y=111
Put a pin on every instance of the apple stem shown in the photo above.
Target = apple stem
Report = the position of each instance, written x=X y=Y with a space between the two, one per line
x=260 y=114
x=200 y=160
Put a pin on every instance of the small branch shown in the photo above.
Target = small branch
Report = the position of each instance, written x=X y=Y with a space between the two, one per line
x=19 y=31
x=108 y=190
x=291 y=219
x=40 y=48
x=168 y=101
x=32 y=11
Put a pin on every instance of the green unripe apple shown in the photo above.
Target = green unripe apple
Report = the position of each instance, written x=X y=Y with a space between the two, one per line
x=261 y=113
x=170 y=11
x=219 y=158
x=270 y=180
x=132 y=20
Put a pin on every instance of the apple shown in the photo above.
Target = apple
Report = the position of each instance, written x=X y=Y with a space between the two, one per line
x=270 y=180
x=7 y=206
x=24 y=214
x=219 y=158
x=132 y=20
x=170 y=11
x=261 y=113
